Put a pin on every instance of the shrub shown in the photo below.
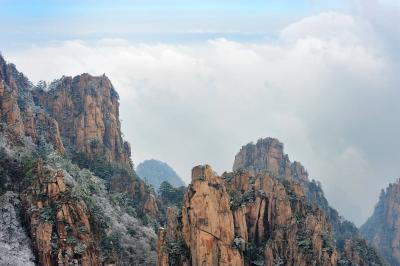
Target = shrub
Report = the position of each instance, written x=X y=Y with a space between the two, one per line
x=305 y=244
x=254 y=254
x=71 y=240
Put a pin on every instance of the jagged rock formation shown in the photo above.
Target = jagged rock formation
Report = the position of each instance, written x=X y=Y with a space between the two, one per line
x=57 y=221
x=272 y=217
x=240 y=219
x=268 y=155
x=72 y=217
x=18 y=114
x=382 y=229
x=155 y=172
x=87 y=110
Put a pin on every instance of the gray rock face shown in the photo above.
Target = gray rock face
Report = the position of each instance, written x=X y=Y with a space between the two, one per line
x=15 y=246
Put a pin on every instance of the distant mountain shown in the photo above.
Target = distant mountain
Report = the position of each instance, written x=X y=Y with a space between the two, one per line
x=382 y=229
x=155 y=172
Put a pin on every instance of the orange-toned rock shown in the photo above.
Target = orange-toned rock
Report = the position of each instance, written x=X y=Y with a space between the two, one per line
x=59 y=226
x=9 y=111
x=18 y=112
x=43 y=242
x=246 y=219
x=208 y=226
x=87 y=111
x=150 y=205
x=162 y=254
x=267 y=155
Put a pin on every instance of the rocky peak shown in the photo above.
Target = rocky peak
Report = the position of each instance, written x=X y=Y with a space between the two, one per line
x=17 y=110
x=382 y=229
x=267 y=154
x=87 y=111
x=208 y=226
x=72 y=216
x=267 y=210
x=242 y=219
x=12 y=77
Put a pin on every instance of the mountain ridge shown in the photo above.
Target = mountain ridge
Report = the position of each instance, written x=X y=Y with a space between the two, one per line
x=382 y=228
x=273 y=216
x=49 y=140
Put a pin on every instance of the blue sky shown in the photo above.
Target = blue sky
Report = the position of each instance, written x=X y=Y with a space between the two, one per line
x=36 y=22
x=46 y=8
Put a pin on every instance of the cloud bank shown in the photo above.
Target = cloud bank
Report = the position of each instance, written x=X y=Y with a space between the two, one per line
x=327 y=87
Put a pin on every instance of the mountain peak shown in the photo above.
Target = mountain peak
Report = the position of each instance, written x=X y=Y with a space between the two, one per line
x=92 y=124
x=155 y=172
x=268 y=155
x=382 y=229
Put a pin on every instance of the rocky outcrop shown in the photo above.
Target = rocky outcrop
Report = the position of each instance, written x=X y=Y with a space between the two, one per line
x=277 y=216
x=59 y=225
x=358 y=252
x=79 y=118
x=265 y=212
x=171 y=246
x=241 y=219
x=87 y=111
x=208 y=225
x=268 y=155
x=382 y=229
x=17 y=112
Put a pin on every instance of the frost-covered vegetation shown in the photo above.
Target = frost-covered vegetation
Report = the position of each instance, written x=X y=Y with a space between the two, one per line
x=114 y=218
x=15 y=246
x=122 y=236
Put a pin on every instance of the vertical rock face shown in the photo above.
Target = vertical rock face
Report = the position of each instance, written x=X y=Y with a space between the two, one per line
x=279 y=221
x=57 y=222
x=268 y=155
x=72 y=216
x=11 y=82
x=87 y=111
x=241 y=219
x=208 y=225
x=382 y=229
x=171 y=246
x=266 y=212
x=17 y=112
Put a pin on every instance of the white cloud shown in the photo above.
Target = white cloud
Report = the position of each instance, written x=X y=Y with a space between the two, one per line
x=322 y=88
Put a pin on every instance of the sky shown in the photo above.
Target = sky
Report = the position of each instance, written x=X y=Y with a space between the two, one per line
x=199 y=79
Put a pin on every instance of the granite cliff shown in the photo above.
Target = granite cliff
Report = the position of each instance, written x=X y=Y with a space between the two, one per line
x=382 y=229
x=262 y=213
x=67 y=182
